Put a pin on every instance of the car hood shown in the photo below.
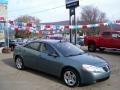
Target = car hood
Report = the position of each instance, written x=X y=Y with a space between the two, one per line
x=89 y=59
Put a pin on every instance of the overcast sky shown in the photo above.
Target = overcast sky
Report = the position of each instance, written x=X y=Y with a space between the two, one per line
x=40 y=9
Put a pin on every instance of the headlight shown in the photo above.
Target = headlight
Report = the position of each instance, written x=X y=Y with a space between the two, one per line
x=92 y=68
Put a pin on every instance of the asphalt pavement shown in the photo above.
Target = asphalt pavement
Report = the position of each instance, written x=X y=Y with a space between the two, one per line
x=13 y=79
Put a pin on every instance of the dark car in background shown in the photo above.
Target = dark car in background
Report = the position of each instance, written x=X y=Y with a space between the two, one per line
x=16 y=42
x=19 y=41
x=62 y=59
x=2 y=44
x=12 y=44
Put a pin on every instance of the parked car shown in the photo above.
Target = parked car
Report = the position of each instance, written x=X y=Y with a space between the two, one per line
x=20 y=41
x=12 y=44
x=62 y=59
x=15 y=42
x=106 y=39
x=2 y=44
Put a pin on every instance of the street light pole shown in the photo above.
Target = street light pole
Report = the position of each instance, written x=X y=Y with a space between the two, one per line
x=72 y=4
x=70 y=29
x=75 y=29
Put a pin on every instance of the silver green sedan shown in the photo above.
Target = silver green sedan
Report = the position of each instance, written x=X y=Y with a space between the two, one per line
x=62 y=59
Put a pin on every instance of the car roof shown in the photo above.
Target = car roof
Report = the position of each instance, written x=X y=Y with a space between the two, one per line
x=55 y=36
x=52 y=41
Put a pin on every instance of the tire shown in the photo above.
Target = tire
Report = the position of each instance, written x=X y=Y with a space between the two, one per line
x=92 y=47
x=101 y=49
x=71 y=77
x=19 y=63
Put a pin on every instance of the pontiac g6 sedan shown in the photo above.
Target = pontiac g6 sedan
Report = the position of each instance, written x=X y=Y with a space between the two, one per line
x=62 y=59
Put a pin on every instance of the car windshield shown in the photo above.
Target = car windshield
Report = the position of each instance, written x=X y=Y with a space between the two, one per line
x=67 y=49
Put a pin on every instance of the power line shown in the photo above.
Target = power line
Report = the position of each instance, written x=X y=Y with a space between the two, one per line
x=11 y=11
x=45 y=10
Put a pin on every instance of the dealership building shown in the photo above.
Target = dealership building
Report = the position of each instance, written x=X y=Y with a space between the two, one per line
x=3 y=18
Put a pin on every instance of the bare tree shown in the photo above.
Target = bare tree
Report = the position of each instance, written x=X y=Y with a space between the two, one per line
x=92 y=15
x=23 y=34
x=27 y=18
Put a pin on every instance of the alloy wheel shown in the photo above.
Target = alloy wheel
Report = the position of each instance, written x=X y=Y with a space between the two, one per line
x=19 y=63
x=70 y=78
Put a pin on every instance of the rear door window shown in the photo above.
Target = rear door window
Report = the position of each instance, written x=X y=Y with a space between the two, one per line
x=106 y=34
x=33 y=45
x=45 y=48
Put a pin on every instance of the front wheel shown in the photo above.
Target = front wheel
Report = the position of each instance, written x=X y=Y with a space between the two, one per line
x=71 y=77
x=92 y=47
x=19 y=63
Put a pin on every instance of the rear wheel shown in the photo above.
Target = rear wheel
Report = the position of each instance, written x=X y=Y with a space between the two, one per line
x=92 y=47
x=71 y=77
x=19 y=63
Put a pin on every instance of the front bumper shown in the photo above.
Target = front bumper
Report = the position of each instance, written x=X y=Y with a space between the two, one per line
x=92 y=77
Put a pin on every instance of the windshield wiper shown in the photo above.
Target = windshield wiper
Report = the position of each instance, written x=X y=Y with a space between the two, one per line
x=74 y=54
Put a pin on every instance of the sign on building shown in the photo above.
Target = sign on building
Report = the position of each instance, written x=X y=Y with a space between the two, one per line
x=3 y=16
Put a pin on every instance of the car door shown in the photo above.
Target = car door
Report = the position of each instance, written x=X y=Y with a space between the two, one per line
x=116 y=40
x=49 y=60
x=31 y=51
x=106 y=40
